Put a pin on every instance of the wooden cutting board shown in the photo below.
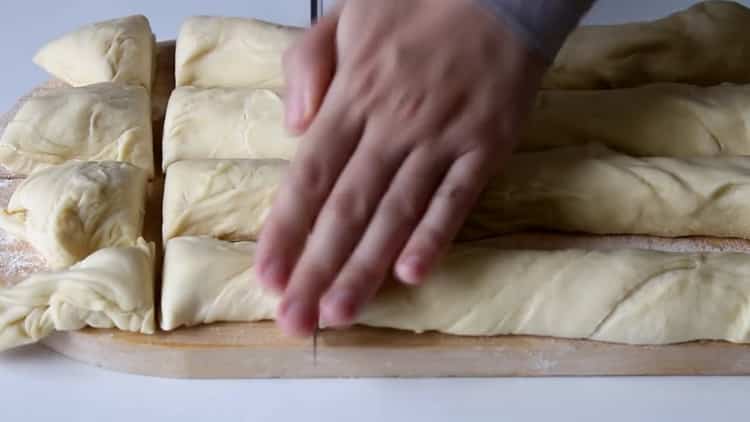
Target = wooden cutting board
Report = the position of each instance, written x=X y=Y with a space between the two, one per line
x=252 y=350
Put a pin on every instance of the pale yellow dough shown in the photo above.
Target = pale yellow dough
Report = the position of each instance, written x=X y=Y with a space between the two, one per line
x=225 y=123
x=113 y=287
x=703 y=45
x=588 y=189
x=671 y=120
x=69 y=211
x=231 y=52
x=225 y=199
x=119 y=50
x=624 y=296
x=107 y=121
x=594 y=190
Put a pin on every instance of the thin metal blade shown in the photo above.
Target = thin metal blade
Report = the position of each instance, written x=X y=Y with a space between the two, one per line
x=314 y=11
x=315 y=345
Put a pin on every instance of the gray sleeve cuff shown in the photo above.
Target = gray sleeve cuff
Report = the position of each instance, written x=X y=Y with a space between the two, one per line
x=542 y=24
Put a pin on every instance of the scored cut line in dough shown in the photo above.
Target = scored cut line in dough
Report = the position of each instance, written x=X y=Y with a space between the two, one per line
x=624 y=296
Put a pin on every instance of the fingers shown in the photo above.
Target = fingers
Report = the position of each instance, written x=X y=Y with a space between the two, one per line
x=446 y=214
x=339 y=227
x=396 y=217
x=328 y=145
x=309 y=67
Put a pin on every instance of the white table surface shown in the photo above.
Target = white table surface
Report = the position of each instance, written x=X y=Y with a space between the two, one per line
x=36 y=384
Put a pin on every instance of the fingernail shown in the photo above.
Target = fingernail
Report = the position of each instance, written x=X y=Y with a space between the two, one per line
x=339 y=308
x=410 y=270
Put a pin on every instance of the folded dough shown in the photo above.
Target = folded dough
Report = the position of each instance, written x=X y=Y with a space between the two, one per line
x=107 y=121
x=231 y=52
x=225 y=123
x=703 y=45
x=225 y=199
x=120 y=50
x=624 y=296
x=69 y=211
x=113 y=287
x=671 y=120
x=586 y=188
x=594 y=190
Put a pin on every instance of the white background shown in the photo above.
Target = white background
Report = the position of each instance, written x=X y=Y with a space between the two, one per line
x=38 y=385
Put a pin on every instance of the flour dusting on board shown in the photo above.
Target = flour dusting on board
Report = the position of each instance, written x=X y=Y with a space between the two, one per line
x=18 y=259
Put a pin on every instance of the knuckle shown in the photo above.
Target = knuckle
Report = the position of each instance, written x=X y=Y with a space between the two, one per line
x=311 y=180
x=362 y=273
x=456 y=194
x=403 y=208
x=430 y=239
x=349 y=208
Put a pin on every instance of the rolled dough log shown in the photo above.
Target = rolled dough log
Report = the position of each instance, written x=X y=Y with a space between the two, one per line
x=591 y=189
x=225 y=199
x=624 y=296
x=217 y=52
x=113 y=287
x=225 y=123
x=670 y=120
x=120 y=50
x=102 y=122
x=69 y=211
x=703 y=45
x=588 y=189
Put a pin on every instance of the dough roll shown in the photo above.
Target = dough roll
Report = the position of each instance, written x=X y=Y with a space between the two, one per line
x=591 y=189
x=113 y=287
x=217 y=52
x=588 y=189
x=703 y=45
x=624 y=296
x=670 y=120
x=225 y=123
x=102 y=122
x=225 y=199
x=69 y=211
x=118 y=50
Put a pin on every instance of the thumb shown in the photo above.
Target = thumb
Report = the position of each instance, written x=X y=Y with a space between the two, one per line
x=309 y=66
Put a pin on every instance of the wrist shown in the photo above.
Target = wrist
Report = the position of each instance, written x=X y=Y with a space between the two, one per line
x=542 y=24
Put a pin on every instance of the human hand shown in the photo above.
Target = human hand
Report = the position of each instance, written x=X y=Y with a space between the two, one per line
x=407 y=107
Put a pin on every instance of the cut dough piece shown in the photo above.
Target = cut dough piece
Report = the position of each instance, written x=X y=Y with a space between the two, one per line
x=703 y=45
x=215 y=52
x=69 y=211
x=112 y=287
x=207 y=280
x=225 y=123
x=670 y=120
x=624 y=296
x=120 y=50
x=224 y=199
x=588 y=189
x=101 y=122
x=594 y=190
